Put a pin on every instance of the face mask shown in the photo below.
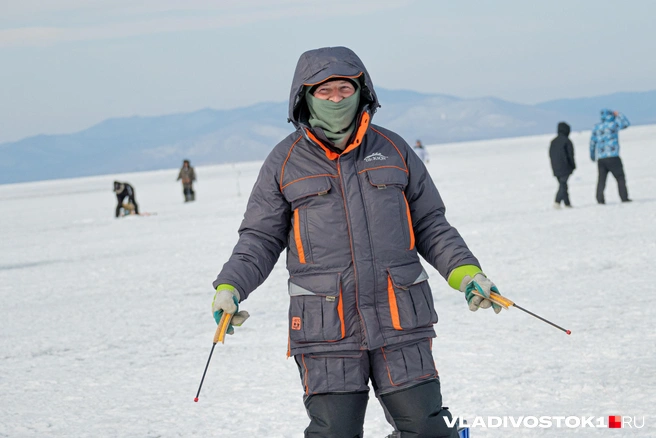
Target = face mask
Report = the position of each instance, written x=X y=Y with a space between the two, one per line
x=336 y=119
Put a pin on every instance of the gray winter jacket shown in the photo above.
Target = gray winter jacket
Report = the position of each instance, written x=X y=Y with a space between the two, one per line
x=188 y=175
x=354 y=225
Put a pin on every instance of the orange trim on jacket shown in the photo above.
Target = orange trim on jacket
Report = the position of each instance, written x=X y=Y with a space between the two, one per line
x=382 y=167
x=282 y=170
x=395 y=147
x=332 y=77
x=410 y=229
x=297 y=237
x=340 y=312
x=308 y=177
x=394 y=309
x=332 y=156
x=359 y=135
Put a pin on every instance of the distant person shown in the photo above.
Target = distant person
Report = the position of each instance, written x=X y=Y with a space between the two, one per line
x=605 y=148
x=188 y=176
x=420 y=150
x=561 y=153
x=124 y=190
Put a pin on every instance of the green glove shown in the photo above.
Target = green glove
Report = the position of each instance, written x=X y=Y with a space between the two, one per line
x=470 y=279
x=226 y=299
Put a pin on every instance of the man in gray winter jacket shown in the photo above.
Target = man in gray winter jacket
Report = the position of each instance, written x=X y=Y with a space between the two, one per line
x=355 y=208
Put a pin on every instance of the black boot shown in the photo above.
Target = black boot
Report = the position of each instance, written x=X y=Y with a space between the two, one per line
x=418 y=412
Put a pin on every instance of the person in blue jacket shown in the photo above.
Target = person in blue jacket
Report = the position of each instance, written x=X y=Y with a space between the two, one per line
x=605 y=149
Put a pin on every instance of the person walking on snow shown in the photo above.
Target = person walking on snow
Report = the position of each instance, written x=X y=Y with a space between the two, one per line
x=561 y=153
x=421 y=152
x=188 y=176
x=355 y=208
x=605 y=149
x=125 y=190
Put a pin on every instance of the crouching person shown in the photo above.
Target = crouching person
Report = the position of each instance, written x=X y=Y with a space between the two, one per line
x=124 y=190
x=355 y=208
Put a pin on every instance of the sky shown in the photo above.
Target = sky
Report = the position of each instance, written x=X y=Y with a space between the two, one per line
x=66 y=65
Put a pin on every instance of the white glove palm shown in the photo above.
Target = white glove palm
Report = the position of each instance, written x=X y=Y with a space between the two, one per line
x=227 y=300
x=477 y=291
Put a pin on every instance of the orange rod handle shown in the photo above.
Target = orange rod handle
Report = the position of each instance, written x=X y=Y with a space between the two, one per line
x=501 y=300
x=222 y=328
x=497 y=299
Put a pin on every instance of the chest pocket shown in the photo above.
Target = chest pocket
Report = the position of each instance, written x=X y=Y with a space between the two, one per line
x=390 y=184
x=382 y=177
x=300 y=195
x=303 y=188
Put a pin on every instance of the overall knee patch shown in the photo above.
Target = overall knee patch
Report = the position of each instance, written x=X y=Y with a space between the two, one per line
x=336 y=415
x=417 y=411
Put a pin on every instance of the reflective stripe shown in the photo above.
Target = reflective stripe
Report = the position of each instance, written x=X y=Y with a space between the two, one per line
x=296 y=290
x=422 y=277
x=394 y=310
x=297 y=237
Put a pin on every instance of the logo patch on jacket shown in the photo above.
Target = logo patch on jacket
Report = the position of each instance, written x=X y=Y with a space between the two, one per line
x=376 y=156
x=296 y=323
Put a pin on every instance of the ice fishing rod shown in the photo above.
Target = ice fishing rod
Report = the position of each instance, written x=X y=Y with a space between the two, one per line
x=219 y=336
x=506 y=303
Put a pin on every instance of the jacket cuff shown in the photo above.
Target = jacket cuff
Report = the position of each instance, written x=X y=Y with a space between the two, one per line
x=458 y=274
x=230 y=288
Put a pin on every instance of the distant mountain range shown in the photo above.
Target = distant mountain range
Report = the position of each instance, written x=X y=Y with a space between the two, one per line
x=217 y=136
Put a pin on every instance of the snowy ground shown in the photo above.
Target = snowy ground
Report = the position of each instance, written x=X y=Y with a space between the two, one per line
x=105 y=324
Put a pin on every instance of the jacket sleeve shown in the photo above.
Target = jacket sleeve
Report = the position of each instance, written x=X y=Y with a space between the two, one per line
x=570 y=154
x=193 y=174
x=179 y=175
x=436 y=240
x=593 y=143
x=262 y=234
x=622 y=121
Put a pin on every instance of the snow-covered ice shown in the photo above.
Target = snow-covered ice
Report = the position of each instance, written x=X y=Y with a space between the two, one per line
x=105 y=324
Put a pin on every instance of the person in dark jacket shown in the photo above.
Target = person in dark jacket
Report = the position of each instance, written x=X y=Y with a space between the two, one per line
x=355 y=208
x=124 y=190
x=561 y=152
x=605 y=148
x=188 y=176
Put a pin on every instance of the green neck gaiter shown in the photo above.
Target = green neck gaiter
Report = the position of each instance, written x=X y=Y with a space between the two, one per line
x=337 y=120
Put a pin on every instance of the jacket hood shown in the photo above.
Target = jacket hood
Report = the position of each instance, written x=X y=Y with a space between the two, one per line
x=563 y=128
x=315 y=66
x=607 y=115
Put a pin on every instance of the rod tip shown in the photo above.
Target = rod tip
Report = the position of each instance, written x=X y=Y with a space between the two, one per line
x=196 y=399
x=569 y=332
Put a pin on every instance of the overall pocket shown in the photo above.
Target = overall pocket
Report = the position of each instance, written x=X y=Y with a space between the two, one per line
x=300 y=195
x=410 y=299
x=316 y=310
x=390 y=183
x=342 y=371
x=409 y=362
